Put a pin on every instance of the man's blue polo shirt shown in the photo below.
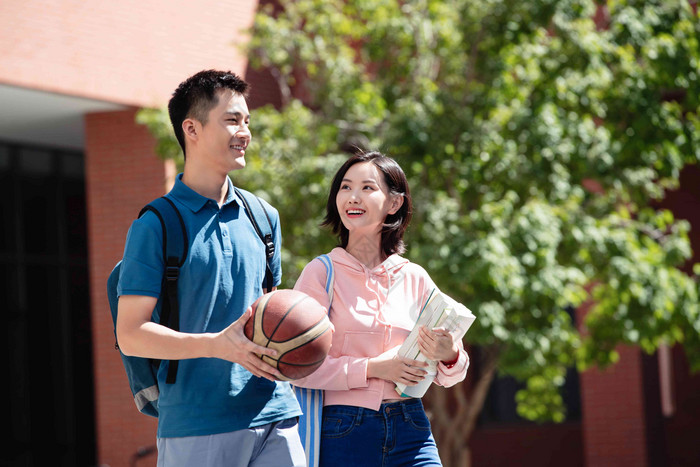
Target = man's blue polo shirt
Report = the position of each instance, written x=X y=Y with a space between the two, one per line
x=221 y=277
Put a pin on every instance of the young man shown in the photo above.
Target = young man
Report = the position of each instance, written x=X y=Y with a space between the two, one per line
x=227 y=406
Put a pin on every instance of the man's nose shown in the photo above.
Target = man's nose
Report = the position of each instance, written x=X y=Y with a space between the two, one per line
x=244 y=132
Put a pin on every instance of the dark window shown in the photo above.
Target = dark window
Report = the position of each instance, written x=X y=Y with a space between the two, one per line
x=500 y=405
x=45 y=296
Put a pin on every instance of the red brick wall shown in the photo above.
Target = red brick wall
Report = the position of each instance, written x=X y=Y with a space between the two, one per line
x=613 y=411
x=122 y=175
x=128 y=51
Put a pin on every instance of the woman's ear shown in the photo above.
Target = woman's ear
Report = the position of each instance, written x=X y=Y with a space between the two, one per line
x=396 y=203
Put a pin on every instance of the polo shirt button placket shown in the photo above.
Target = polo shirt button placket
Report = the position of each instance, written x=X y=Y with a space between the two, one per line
x=225 y=239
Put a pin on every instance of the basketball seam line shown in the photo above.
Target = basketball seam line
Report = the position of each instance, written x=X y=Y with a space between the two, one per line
x=279 y=323
x=290 y=344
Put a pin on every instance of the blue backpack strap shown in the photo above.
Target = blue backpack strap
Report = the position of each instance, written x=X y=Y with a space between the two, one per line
x=330 y=278
x=175 y=249
x=255 y=211
x=311 y=400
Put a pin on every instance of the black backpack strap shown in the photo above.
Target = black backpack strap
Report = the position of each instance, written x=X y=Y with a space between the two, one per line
x=175 y=246
x=255 y=209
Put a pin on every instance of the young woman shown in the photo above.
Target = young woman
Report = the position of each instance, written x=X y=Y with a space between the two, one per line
x=377 y=296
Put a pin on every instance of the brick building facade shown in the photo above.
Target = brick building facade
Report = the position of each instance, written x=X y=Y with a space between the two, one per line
x=72 y=75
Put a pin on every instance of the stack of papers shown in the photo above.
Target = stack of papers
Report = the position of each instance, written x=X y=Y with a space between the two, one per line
x=440 y=311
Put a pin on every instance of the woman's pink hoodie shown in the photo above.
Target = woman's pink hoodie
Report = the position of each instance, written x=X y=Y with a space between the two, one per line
x=373 y=311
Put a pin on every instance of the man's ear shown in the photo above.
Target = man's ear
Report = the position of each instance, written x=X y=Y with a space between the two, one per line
x=396 y=203
x=191 y=128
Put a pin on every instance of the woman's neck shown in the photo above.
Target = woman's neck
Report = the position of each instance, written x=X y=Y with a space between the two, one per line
x=366 y=249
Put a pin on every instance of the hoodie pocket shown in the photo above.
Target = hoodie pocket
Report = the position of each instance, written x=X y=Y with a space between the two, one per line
x=363 y=343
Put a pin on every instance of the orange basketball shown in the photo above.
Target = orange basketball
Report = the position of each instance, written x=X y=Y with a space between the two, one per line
x=295 y=325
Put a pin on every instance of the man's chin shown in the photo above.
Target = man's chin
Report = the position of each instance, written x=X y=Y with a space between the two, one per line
x=238 y=163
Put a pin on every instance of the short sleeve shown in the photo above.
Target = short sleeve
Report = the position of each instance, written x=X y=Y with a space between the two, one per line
x=142 y=266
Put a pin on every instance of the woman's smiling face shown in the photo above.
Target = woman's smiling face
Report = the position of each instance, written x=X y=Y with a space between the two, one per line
x=363 y=200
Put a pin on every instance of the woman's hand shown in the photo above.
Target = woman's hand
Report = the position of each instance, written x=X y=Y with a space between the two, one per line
x=390 y=367
x=437 y=345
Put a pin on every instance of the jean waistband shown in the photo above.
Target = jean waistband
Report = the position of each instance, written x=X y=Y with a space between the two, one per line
x=404 y=406
x=387 y=408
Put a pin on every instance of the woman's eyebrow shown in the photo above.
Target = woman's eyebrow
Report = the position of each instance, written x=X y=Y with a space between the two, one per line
x=370 y=180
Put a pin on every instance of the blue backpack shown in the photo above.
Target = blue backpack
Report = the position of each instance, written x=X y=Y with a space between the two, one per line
x=142 y=373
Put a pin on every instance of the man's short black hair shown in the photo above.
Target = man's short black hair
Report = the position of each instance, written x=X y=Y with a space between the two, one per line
x=197 y=95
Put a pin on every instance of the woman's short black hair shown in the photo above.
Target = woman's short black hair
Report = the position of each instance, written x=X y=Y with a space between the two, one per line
x=395 y=224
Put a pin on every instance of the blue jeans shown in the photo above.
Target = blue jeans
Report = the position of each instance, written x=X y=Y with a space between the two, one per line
x=397 y=435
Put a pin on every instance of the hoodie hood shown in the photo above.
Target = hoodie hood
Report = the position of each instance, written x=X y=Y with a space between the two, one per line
x=377 y=282
x=386 y=271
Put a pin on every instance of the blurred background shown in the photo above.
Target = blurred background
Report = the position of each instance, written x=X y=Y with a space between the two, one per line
x=552 y=150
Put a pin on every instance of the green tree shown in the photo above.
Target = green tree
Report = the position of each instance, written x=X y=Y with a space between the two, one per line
x=537 y=136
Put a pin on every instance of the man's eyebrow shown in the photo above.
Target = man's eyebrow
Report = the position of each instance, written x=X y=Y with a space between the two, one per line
x=236 y=114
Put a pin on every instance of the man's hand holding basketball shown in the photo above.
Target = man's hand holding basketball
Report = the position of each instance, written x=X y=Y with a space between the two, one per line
x=231 y=344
